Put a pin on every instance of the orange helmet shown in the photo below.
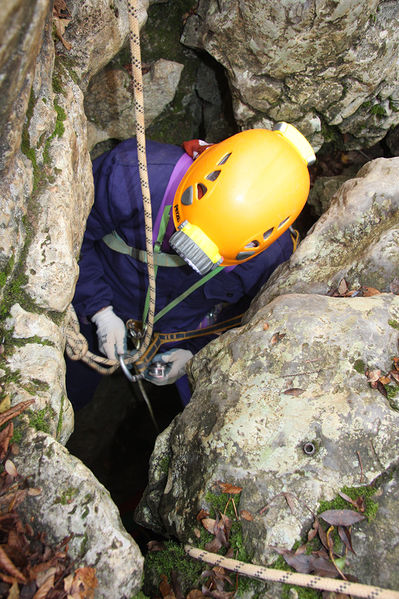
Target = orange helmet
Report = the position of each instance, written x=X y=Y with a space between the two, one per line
x=240 y=195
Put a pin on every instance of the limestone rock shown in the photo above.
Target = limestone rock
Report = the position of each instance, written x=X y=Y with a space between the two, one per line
x=73 y=502
x=300 y=61
x=109 y=103
x=38 y=362
x=355 y=239
x=65 y=199
x=96 y=32
x=377 y=542
x=323 y=191
x=294 y=374
x=17 y=67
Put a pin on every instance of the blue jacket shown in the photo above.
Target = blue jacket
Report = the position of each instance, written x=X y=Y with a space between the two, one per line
x=108 y=277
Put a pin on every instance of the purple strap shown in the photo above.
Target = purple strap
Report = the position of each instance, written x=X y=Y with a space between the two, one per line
x=181 y=167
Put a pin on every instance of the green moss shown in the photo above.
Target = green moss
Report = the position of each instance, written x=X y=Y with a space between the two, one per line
x=354 y=493
x=62 y=66
x=394 y=324
x=67 y=496
x=332 y=136
x=173 y=558
x=21 y=341
x=34 y=386
x=139 y=595
x=359 y=366
x=378 y=110
x=40 y=419
x=84 y=544
x=59 y=130
x=163 y=464
x=392 y=391
x=9 y=377
x=6 y=271
x=60 y=418
x=17 y=435
x=303 y=593
x=393 y=104
x=216 y=505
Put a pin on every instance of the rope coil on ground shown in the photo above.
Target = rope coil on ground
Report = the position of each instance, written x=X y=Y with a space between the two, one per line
x=305 y=580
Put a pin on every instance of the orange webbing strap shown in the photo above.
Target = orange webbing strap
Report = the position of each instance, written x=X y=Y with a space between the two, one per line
x=161 y=338
x=294 y=238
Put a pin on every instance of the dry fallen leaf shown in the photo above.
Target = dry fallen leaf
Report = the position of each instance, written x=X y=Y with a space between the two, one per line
x=341 y=517
x=358 y=503
x=165 y=588
x=81 y=584
x=45 y=587
x=373 y=375
x=342 y=287
x=369 y=291
x=294 y=391
x=13 y=593
x=265 y=326
x=228 y=488
x=195 y=594
x=5 y=404
x=10 y=468
x=209 y=524
x=345 y=536
x=202 y=514
x=60 y=25
x=7 y=565
x=246 y=515
x=277 y=337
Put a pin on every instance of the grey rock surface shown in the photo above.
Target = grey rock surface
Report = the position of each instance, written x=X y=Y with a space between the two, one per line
x=355 y=239
x=96 y=32
x=73 y=502
x=311 y=63
x=109 y=104
x=289 y=377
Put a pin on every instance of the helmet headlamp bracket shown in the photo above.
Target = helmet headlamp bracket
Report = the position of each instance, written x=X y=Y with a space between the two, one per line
x=191 y=244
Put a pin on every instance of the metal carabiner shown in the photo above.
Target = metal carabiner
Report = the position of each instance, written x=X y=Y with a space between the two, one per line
x=126 y=372
x=137 y=379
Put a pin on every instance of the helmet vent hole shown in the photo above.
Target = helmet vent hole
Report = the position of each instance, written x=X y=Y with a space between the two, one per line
x=252 y=244
x=201 y=190
x=225 y=158
x=283 y=222
x=187 y=196
x=213 y=176
x=267 y=234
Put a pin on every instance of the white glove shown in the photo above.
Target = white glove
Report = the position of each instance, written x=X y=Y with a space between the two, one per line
x=176 y=360
x=111 y=333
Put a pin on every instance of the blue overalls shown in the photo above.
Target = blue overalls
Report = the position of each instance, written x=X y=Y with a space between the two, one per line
x=108 y=277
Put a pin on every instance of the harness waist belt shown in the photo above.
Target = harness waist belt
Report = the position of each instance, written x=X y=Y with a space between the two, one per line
x=116 y=243
x=159 y=339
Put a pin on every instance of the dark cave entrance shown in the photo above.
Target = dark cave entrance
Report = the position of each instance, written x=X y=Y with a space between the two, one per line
x=114 y=436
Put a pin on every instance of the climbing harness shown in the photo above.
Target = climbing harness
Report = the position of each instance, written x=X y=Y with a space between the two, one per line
x=305 y=580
